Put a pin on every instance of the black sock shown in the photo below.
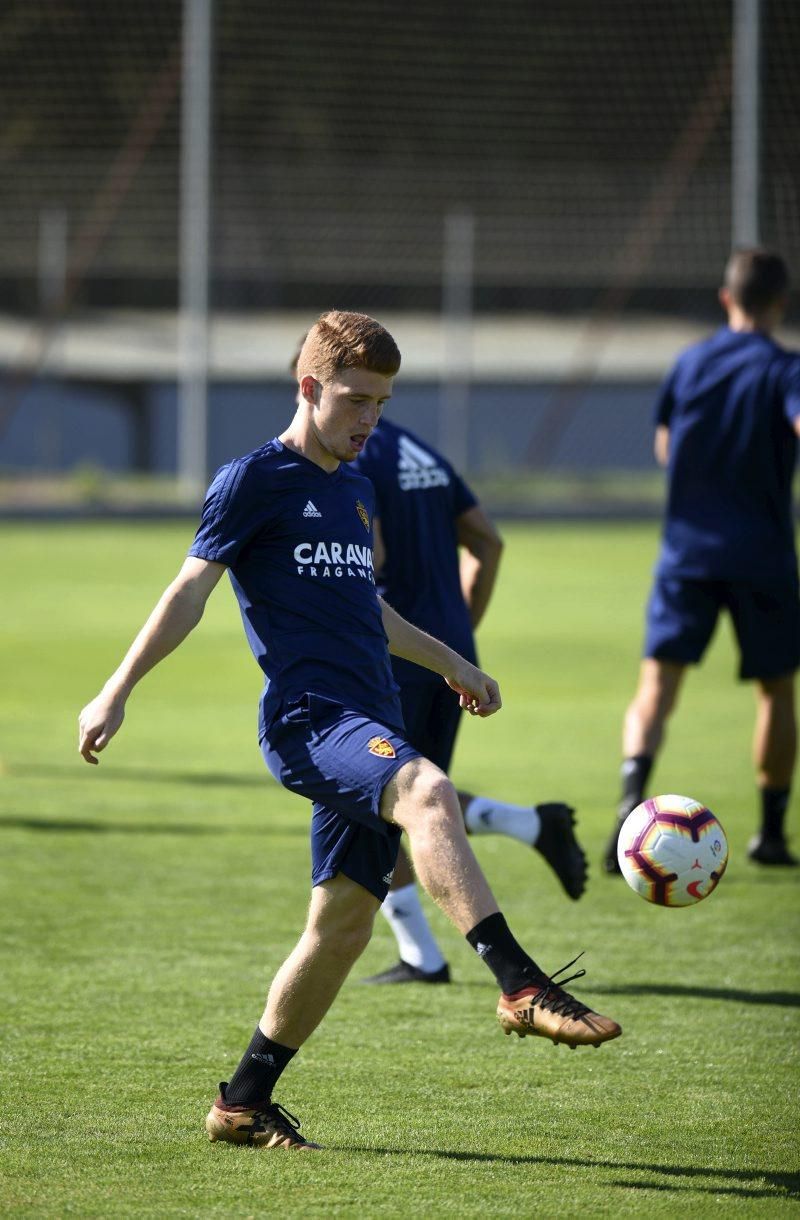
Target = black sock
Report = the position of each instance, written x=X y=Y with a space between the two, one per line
x=509 y=963
x=254 y=1079
x=774 y=803
x=635 y=773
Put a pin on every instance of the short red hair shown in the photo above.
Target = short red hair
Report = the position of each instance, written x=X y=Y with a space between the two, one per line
x=341 y=340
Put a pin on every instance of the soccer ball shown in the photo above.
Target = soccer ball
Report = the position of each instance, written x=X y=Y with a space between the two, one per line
x=672 y=851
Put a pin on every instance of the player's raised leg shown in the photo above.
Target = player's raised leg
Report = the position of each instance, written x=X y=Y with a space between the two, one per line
x=421 y=800
x=775 y=753
x=432 y=716
x=549 y=828
x=642 y=737
x=338 y=928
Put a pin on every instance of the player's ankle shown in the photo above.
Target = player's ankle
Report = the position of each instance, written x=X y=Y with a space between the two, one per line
x=513 y=968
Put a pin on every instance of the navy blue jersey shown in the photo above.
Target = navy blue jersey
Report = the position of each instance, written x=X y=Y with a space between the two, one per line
x=729 y=404
x=418 y=497
x=298 y=543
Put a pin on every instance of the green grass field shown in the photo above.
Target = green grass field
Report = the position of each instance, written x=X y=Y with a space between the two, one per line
x=146 y=904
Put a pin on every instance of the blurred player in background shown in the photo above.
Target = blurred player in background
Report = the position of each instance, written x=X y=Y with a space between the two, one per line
x=727 y=421
x=293 y=526
x=424 y=512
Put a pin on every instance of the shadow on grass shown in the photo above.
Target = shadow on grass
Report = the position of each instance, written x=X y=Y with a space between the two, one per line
x=782 y=999
x=77 y=826
x=779 y=1184
x=140 y=775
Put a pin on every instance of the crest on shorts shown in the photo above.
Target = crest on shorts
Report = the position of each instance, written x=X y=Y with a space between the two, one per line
x=381 y=747
x=363 y=514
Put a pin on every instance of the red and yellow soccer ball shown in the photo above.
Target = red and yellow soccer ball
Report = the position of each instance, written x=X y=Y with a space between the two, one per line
x=672 y=851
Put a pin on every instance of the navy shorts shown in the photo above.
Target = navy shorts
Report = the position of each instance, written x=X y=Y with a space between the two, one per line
x=682 y=614
x=341 y=761
x=431 y=714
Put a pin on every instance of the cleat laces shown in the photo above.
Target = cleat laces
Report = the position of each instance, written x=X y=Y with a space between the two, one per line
x=277 y=1116
x=551 y=993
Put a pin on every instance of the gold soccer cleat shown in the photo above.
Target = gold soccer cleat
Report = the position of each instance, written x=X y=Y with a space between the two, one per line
x=269 y=1127
x=546 y=1010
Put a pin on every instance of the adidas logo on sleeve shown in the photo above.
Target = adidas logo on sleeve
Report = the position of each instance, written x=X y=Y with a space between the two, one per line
x=311 y=510
x=417 y=469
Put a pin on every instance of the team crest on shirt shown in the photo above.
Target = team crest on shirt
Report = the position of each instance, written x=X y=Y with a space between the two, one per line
x=362 y=514
x=381 y=747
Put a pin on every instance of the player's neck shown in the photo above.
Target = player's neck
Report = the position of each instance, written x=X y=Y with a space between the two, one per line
x=745 y=323
x=302 y=439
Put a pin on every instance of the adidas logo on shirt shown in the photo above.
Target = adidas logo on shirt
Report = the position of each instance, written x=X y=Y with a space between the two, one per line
x=311 y=510
x=417 y=469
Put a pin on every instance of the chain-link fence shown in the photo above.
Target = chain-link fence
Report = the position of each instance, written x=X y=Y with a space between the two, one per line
x=588 y=145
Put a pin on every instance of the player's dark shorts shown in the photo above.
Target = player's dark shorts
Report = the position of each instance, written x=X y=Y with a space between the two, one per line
x=341 y=761
x=431 y=714
x=682 y=614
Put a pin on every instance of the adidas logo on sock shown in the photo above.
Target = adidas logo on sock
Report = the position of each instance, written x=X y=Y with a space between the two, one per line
x=311 y=510
x=265 y=1058
x=481 y=949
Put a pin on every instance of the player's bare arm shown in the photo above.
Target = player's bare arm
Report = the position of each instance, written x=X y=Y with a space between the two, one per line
x=661 y=445
x=482 y=547
x=478 y=693
x=378 y=545
x=178 y=611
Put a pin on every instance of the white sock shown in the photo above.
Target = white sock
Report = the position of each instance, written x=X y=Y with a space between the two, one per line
x=414 y=938
x=483 y=816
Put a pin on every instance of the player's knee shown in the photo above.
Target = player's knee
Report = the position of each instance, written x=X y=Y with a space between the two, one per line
x=778 y=691
x=428 y=796
x=344 y=934
x=349 y=943
x=658 y=693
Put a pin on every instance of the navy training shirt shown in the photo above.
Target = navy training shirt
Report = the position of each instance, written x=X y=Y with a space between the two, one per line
x=418 y=497
x=729 y=403
x=298 y=543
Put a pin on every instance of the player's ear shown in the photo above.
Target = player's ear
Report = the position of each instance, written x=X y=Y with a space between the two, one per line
x=310 y=389
x=725 y=299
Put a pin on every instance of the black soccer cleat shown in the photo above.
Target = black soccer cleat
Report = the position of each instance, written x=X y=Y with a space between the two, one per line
x=559 y=847
x=765 y=850
x=404 y=973
x=610 y=861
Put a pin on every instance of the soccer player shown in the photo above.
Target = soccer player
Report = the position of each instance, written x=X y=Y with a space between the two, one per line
x=424 y=512
x=727 y=420
x=293 y=527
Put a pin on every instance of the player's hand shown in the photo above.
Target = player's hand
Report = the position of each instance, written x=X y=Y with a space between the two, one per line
x=477 y=693
x=97 y=724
